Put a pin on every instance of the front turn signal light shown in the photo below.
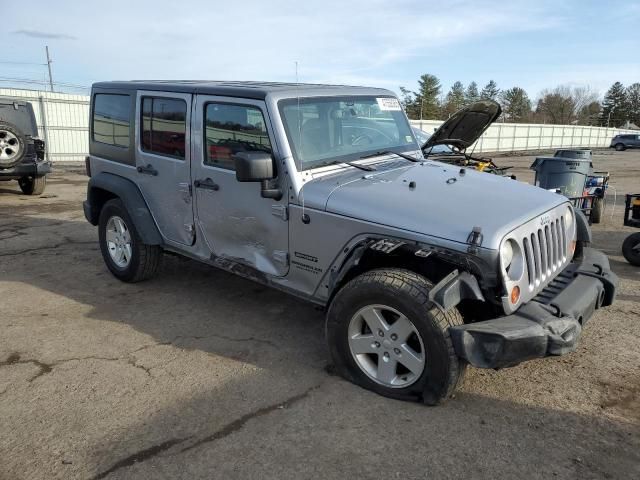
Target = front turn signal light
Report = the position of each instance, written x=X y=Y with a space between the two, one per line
x=515 y=294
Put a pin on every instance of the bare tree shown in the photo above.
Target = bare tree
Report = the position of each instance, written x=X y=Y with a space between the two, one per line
x=564 y=105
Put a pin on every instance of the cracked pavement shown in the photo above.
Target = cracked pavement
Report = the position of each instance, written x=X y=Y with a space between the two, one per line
x=200 y=374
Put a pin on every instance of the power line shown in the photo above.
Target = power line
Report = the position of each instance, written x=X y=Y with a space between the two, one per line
x=23 y=63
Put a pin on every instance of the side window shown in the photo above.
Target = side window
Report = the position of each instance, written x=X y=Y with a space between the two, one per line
x=111 y=119
x=163 y=126
x=230 y=129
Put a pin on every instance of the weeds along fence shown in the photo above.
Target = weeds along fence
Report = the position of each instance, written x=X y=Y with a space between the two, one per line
x=63 y=122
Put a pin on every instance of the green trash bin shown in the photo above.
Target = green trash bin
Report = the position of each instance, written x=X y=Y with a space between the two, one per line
x=566 y=175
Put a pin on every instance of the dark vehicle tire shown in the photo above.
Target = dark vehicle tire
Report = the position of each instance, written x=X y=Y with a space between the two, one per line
x=597 y=210
x=631 y=249
x=619 y=147
x=33 y=185
x=386 y=336
x=126 y=256
x=13 y=145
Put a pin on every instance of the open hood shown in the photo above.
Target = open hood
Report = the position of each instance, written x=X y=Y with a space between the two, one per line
x=466 y=125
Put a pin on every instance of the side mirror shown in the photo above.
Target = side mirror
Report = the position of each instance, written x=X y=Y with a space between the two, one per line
x=253 y=166
x=257 y=167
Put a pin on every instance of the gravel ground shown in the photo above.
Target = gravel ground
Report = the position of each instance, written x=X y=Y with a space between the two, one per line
x=200 y=374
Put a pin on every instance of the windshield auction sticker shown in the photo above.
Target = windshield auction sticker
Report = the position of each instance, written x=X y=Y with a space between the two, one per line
x=388 y=103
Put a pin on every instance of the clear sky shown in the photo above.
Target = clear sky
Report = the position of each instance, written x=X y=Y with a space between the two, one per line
x=534 y=45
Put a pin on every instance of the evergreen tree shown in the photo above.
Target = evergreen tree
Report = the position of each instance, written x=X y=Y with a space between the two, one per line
x=614 y=106
x=633 y=103
x=454 y=101
x=490 y=91
x=424 y=103
x=427 y=97
x=471 y=95
x=515 y=104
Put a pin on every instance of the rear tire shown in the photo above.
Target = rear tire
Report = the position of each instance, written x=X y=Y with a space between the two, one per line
x=394 y=295
x=596 y=210
x=619 y=147
x=126 y=256
x=33 y=185
x=631 y=249
x=12 y=145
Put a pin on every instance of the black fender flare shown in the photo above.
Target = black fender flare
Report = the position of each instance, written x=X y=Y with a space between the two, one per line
x=583 y=230
x=446 y=294
x=132 y=199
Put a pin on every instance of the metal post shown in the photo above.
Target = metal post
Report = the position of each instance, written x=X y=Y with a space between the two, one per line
x=49 y=67
x=45 y=129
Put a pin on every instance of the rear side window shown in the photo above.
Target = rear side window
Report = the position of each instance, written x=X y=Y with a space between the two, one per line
x=163 y=126
x=111 y=119
x=230 y=129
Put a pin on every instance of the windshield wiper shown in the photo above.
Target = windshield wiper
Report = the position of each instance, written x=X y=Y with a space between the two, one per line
x=389 y=152
x=366 y=168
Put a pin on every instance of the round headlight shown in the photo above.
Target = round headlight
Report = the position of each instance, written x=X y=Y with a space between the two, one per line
x=512 y=260
x=568 y=219
x=506 y=254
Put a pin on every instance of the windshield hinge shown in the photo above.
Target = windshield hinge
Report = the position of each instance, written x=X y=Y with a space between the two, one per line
x=280 y=211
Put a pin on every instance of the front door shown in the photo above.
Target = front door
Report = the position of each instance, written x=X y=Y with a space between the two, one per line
x=238 y=224
x=163 y=161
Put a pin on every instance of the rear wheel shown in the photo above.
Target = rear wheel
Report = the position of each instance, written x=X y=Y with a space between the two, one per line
x=631 y=249
x=126 y=256
x=33 y=185
x=619 y=147
x=386 y=336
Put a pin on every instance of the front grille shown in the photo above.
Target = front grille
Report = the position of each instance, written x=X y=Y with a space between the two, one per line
x=545 y=251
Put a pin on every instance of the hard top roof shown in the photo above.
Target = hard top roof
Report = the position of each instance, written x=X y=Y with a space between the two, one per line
x=255 y=90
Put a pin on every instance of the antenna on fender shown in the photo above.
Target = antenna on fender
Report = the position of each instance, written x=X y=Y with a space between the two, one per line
x=305 y=218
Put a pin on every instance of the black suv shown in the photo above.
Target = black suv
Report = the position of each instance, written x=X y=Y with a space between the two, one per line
x=21 y=151
x=624 y=141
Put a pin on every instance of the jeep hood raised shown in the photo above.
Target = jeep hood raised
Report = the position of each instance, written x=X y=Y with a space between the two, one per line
x=433 y=199
x=465 y=126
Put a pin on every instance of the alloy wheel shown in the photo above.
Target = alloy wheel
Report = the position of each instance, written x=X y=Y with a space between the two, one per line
x=386 y=346
x=118 y=240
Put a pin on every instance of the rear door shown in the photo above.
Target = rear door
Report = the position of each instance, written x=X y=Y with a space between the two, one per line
x=163 y=161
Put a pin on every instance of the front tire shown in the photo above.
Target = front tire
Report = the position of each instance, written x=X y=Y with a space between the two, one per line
x=619 y=147
x=631 y=249
x=33 y=185
x=126 y=256
x=386 y=336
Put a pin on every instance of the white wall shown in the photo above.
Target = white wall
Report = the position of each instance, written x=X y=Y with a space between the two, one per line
x=511 y=137
x=63 y=121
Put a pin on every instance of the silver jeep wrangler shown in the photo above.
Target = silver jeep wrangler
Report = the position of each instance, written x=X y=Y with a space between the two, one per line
x=323 y=192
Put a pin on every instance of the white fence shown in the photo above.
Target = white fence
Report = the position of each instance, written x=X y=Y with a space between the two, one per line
x=513 y=137
x=63 y=122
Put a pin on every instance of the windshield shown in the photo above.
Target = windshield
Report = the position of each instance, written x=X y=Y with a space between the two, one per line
x=326 y=130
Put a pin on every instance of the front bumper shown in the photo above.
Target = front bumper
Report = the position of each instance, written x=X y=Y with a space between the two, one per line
x=550 y=324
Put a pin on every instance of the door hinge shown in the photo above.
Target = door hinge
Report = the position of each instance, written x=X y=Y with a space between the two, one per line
x=280 y=211
x=281 y=257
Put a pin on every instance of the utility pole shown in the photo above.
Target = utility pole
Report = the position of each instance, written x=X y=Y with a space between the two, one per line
x=49 y=67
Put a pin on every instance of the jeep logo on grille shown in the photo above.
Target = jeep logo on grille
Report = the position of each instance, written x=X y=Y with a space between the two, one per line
x=545 y=220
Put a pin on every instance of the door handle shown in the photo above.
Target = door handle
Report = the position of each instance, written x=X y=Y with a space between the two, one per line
x=206 y=184
x=147 y=170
